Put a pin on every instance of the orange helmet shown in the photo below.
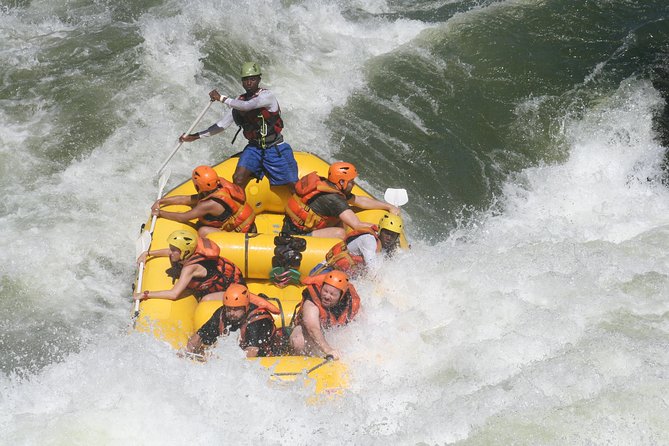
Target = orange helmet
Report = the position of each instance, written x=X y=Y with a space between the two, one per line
x=338 y=279
x=341 y=171
x=205 y=179
x=237 y=295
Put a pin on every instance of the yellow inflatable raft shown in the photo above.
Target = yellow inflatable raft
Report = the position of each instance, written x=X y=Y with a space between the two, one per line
x=175 y=321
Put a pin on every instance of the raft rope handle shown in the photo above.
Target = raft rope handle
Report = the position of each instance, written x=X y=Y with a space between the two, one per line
x=317 y=366
x=283 y=318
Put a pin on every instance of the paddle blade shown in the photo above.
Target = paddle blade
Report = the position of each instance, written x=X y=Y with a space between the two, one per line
x=142 y=244
x=396 y=197
x=163 y=181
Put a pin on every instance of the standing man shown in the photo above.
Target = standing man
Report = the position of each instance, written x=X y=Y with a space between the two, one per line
x=258 y=114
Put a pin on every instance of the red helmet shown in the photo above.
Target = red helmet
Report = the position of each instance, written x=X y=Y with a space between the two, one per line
x=205 y=179
x=237 y=295
x=338 y=279
x=341 y=171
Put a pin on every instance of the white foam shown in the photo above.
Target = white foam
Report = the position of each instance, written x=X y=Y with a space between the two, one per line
x=550 y=314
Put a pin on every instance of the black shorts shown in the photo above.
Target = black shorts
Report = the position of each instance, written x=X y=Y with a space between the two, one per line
x=289 y=228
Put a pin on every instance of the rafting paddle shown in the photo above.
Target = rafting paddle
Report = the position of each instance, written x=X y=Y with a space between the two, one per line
x=190 y=129
x=142 y=244
x=396 y=197
x=161 y=185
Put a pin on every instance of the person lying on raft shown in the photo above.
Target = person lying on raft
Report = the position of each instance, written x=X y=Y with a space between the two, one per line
x=319 y=205
x=242 y=311
x=199 y=267
x=361 y=250
x=329 y=300
x=219 y=205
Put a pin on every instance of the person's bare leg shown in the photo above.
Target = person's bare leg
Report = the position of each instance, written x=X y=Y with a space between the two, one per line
x=333 y=232
x=242 y=176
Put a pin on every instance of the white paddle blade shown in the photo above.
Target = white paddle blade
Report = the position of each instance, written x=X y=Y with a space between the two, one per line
x=162 y=182
x=142 y=244
x=396 y=197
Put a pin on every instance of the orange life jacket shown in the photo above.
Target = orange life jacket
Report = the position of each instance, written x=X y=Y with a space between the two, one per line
x=238 y=215
x=256 y=314
x=297 y=206
x=339 y=257
x=328 y=319
x=260 y=126
x=221 y=272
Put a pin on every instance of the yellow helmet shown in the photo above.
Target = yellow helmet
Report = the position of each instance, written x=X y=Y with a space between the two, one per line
x=391 y=222
x=185 y=241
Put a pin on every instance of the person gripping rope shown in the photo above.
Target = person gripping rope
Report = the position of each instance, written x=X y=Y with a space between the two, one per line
x=328 y=301
x=242 y=311
x=258 y=115
x=198 y=266
x=219 y=205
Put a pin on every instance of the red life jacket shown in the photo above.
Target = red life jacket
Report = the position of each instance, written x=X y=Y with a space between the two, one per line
x=260 y=126
x=221 y=272
x=297 y=206
x=328 y=319
x=256 y=314
x=238 y=215
x=339 y=257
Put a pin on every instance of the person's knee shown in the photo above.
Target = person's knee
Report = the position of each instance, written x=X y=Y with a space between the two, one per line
x=204 y=230
x=339 y=233
x=241 y=179
x=213 y=296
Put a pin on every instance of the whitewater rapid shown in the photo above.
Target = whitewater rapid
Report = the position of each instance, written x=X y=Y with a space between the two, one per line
x=540 y=319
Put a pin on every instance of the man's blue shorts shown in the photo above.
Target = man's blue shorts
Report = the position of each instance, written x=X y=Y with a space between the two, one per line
x=277 y=162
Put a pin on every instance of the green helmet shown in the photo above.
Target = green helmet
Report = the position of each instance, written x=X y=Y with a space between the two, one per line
x=185 y=241
x=250 y=69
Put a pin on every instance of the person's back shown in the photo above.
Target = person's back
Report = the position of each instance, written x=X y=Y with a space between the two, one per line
x=315 y=205
x=221 y=273
x=236 y=214
x=217 y=205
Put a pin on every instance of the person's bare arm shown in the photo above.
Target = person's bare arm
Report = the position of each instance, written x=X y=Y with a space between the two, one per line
x=195 y=344
x=372 y=203
x=312 y=325
x=187 y=274
x=186 y=200
x=200 y=210
x=350 y=219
